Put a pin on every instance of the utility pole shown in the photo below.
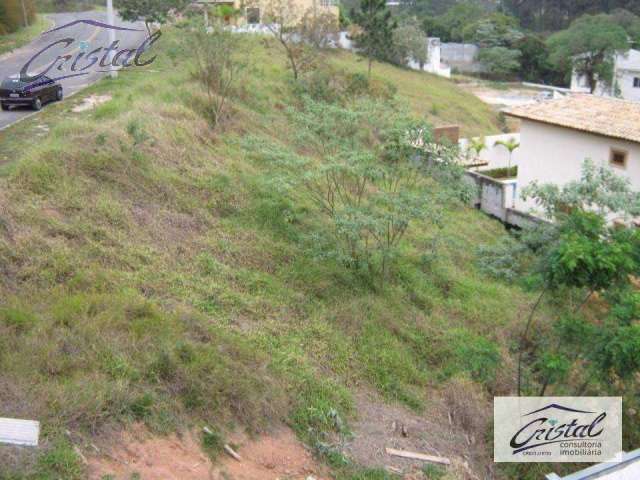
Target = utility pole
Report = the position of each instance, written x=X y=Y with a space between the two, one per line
x=112 y=37
x=24 y=14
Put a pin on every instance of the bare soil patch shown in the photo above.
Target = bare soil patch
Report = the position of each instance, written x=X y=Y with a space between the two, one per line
x=278 y=455
x=90 y=102
x=382 y=425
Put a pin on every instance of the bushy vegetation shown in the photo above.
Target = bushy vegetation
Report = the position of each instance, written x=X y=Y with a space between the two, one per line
x=158 y=269
x=583 y=260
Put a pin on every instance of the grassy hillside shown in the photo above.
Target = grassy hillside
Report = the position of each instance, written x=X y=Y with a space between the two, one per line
x=149 y=271
x=432 y=97
x=23 y=36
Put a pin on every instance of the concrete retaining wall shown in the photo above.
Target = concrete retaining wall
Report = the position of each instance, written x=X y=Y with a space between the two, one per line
x=461 y=57
x=497 y=198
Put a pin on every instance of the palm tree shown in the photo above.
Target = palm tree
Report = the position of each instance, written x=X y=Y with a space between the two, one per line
x=478 y=144
x=510 y=145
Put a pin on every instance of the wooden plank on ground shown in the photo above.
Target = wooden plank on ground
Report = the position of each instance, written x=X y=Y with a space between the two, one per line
x=418 y=456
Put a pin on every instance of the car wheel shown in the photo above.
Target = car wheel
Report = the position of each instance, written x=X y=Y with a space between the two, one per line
x=4 y=106
x=37 y=103
x=59 y=94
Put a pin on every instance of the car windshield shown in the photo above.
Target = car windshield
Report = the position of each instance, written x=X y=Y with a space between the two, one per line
x=12 y=82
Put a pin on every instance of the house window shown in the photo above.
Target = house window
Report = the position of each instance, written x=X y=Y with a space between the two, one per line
x=328 y=3
x=636 y=82
x=618 y=158
x=253 y=16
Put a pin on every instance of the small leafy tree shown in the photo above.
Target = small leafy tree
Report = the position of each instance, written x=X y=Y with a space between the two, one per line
x=553 y=368
x=607 y=350
x=378 y=175
x=375 y=39
x=588 y=48
x=535 y=64
x=587 y=255
x=299 y=33
x=500 y=62
x=576 y=253
x=218 y=68
x=477 y=145
x=511 y=145
x=410 y=43
x=318 y=29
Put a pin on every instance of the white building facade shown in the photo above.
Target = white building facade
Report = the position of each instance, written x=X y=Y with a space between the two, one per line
x=626 y=79
x=557 y=136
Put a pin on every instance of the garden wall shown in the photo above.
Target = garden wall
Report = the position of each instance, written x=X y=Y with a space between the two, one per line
x=461 y=57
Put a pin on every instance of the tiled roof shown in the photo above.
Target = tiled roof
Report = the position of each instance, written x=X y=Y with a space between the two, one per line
x=600 y=115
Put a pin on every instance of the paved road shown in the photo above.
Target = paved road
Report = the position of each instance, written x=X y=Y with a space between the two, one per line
x=95 y=36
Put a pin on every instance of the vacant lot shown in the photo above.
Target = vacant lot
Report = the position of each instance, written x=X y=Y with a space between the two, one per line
x=152 y=272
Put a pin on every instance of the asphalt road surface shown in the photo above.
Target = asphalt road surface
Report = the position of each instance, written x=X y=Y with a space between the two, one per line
x=92 y=36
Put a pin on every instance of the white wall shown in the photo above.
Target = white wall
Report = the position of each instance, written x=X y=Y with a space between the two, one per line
x=496 y=155
x=551 y=154
x=433 y=65
x=627 y=67
x=625 y=83
x=461 y=56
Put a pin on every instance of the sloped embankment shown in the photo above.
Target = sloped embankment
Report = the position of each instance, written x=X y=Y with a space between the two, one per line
x=151 y=272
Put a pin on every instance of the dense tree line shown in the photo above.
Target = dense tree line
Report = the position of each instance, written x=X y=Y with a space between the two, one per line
x=14 y=14
x=553 y=15
x=534 y=40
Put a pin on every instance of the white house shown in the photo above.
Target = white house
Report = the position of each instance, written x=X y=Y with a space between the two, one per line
x=626 y=83
x=556 y=137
